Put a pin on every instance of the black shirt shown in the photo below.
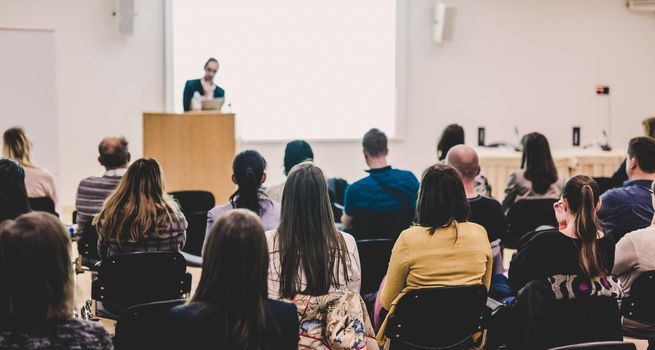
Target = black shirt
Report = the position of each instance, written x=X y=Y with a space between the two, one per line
x=551 y=253
x=488 y=213
x=198 y=326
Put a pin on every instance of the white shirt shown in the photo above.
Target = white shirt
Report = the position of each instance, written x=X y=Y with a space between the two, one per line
x=274 y=267
x=118 y=172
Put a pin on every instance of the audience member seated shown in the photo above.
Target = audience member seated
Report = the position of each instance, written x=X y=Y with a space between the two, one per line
x=248 y=174
x=629 y=207
x=452 y=136
x=538 y=175
x=37 y=288
x=295 y=152
x=38 y=182
x=92 y=191
x=580 y=248
x=308 y=254
x=385 y=189
x=230 y=308
x=483 y=210
x=634 y=256
x=13 y=195
x=140 y=216
x=443 y=250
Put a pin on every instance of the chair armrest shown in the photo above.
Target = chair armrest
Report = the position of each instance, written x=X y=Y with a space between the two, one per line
x=192 y=260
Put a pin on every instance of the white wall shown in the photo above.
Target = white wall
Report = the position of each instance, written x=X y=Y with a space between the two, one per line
x=28 y=91
x=104 y=80
x=529 y=63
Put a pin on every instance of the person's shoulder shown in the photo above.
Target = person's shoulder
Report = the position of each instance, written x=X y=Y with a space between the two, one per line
x=469 y=227
x=489 y=202
x=217 y=211
x=90 y=181
x=192 y=82
x=188 y=311
x=646 y=233
x=282 y=307
x=614 y=194
x=350 y=240
x=549 y=235
x=404 y=174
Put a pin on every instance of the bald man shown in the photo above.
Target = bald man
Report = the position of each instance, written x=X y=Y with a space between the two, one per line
x=114 y=156
x=485 y=211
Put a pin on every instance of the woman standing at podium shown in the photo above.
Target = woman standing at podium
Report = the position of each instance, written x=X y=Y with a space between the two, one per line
x=205 y=86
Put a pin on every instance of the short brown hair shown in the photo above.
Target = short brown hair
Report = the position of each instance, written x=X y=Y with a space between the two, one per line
x=643 y=149
x=114 y=154
x=375 y=143
x=36 y=272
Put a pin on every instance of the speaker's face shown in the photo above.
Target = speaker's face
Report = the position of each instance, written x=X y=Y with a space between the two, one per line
x=210 y=70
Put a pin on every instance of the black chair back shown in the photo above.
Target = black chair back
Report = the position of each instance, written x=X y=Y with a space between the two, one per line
x=337 y=192
x=43 y=204
x=141 y=326
x=195 y=233
x=130 y=279
x=370 y=224
x=605 y=345
x=526 y=215
x=374 y=257
x=640 y=304
x=542 y=322
x=87 y=247
x=194 y=201
x=438 y=318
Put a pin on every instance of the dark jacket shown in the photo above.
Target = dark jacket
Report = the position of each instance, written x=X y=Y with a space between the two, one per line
x=194 y=85
x=198 y=326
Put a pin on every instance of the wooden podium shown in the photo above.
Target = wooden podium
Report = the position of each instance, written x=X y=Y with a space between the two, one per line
x=195 y=149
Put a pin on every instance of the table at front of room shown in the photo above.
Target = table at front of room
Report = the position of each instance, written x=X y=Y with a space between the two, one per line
x=498 y=163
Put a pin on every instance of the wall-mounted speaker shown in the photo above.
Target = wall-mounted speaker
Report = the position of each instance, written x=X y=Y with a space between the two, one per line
x=439 y=22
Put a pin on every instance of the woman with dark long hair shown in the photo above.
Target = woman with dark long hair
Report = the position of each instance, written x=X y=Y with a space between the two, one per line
x=581 y=248
x=37 y=288
x=451 y=136
x=230 y=308
x=248 y=173
x=295 y=152
x=308 y=254
x=443 y=249
x=538 y=175
x=13 y=195
x=140 y=215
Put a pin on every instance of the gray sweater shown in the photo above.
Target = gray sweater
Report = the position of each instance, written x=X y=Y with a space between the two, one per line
x=634 y=255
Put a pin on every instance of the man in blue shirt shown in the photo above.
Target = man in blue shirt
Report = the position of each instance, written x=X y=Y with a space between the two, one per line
x=385 y=190
x=629 y=207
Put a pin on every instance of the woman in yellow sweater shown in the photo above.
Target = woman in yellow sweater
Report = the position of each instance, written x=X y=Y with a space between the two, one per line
x=443 y=249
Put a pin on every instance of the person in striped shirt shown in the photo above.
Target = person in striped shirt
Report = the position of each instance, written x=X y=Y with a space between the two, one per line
x=93 y=191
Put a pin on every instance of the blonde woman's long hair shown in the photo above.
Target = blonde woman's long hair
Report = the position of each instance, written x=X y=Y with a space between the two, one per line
x=139 y=206
x=16 y=145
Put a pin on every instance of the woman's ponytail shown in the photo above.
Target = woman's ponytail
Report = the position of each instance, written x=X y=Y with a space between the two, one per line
x=581 y=192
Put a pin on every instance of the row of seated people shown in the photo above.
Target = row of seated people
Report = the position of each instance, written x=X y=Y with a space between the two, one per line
x=383 y=201
x=309 y=256
x=149 y=170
